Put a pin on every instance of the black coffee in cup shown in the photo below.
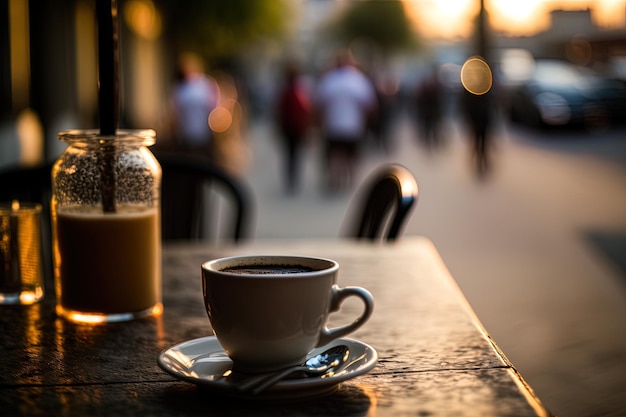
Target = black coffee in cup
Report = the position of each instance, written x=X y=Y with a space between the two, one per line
x=267 y=269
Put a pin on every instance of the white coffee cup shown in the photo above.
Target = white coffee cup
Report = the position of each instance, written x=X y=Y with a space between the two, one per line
x=271 y=320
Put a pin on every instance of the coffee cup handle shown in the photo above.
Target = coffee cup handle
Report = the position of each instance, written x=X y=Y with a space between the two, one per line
x=337 y=297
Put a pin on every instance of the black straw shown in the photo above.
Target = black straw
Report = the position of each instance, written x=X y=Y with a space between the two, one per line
x=108 y=95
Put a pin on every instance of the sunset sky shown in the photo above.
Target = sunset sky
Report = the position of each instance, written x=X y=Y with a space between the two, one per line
x=450 y=18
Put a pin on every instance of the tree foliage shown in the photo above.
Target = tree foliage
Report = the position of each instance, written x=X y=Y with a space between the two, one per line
x=383 y=22
x=221 y=28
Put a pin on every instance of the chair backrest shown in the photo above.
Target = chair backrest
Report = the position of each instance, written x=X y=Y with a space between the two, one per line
x=190 y=186
x=384 y=203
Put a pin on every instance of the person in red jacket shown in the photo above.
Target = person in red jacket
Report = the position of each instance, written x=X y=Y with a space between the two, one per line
x=294 y=119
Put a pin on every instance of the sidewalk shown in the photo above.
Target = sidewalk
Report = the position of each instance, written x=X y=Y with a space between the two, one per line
x=515 y=244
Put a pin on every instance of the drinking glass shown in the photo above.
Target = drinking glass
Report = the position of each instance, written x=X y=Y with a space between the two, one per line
x=21 y=273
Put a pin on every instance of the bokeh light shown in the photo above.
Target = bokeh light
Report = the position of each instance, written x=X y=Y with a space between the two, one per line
x=220 y=119
x=476 y=76
x=143 y=18
x=517 y=65
x=31 y=138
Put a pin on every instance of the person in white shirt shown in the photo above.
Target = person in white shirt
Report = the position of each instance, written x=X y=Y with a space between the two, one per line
x=345 y=101
x=193 y=99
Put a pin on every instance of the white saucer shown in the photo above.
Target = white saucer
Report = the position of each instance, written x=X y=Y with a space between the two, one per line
x=203 y=362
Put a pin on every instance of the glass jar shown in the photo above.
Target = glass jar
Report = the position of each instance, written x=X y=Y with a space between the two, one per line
x=107 y=227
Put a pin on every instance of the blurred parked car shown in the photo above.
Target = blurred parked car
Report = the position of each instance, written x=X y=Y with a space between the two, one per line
x=558 y=93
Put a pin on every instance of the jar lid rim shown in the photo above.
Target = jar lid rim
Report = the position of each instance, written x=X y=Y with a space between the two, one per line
x=120 y=134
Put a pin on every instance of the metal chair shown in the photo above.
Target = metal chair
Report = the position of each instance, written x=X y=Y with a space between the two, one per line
x=384 y=203
x=190 y=189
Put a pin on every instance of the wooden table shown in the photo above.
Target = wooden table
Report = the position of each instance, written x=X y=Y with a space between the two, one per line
x=435 y=358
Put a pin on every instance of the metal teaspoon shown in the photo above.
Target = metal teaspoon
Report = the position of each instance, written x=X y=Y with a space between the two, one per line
x=319 y=364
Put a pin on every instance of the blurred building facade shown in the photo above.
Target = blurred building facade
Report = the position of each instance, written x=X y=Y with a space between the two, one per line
x=573 y=36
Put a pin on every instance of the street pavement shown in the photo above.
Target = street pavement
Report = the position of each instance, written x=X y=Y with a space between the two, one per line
x=522 y=244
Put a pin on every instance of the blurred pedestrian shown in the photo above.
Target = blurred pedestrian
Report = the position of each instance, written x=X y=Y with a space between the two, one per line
x=345 y=102
x=477 y=109
x=194 y=97
x=387 y=87
x=428 y=106
x=293 y=114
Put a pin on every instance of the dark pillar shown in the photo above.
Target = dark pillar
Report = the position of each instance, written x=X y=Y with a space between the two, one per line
x=5 y=64
x=52 y=63
x=482 y=37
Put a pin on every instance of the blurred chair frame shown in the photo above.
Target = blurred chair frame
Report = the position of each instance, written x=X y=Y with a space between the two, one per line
x=385 y=200
x=184 y=202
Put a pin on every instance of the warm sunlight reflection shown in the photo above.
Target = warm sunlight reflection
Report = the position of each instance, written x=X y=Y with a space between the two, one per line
x=99 y=318
x=160 y=329
x=611 y=13
x=86 y=318
x=453 y=18
x=409 y=186
x=370 y=391
x=59 y=343
x=518 y=15
x=34 y=335
x=447 y=18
